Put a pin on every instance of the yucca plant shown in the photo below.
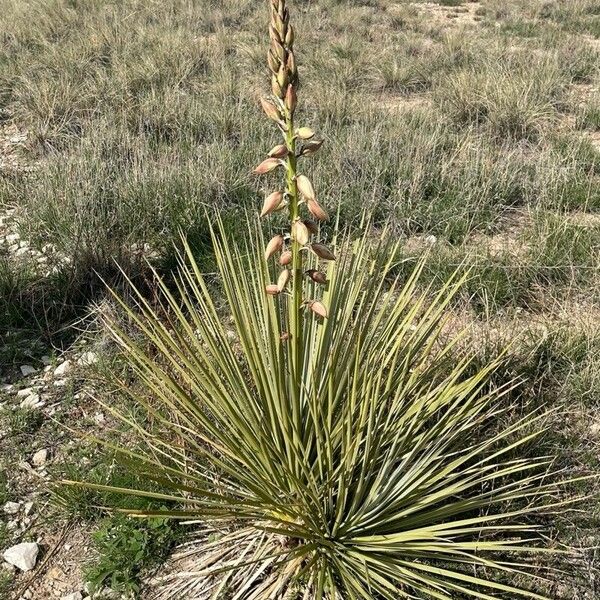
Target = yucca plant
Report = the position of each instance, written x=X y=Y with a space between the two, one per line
x=325 y=438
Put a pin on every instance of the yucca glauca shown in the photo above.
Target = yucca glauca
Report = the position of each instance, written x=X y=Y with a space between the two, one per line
x=324 y=438
x=298 y=142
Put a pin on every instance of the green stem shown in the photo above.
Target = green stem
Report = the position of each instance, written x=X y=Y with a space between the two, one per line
x=295 y=309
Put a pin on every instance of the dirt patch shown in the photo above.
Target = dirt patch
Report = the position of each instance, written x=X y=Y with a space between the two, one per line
x=466 y=14
x=398 y=103
x=60 y=570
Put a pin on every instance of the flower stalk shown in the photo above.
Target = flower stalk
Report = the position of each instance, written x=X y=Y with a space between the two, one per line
x=297 y=143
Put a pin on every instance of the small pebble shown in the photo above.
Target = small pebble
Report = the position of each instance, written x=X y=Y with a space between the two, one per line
x=12 y=508
x=40 y=457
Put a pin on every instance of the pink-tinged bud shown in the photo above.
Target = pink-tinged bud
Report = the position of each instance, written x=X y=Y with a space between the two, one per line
x=305 y=133
x=318 y=308
x=280 y=151
x=285 y=336
x=291 y=98
x=272 y=289
x=305 y=187
x=316 y=211
x=311 y=147
x=300 y=233
x=317 y=276
x=272 y=202
x=273 y=246
x=267 y=166
x=312 y=227
x=283 y=279
x=285 y=258
x=270 y=110
x=322 y=251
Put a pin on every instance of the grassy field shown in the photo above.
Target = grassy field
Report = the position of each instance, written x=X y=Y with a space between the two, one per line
x=473 y=127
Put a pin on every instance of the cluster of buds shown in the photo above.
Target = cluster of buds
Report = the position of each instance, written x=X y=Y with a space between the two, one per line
x=299 y=191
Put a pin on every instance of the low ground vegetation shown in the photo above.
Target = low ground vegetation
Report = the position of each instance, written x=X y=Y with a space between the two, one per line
x=473 y=126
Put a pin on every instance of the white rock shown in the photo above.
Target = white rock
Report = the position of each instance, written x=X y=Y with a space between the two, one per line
x=73 y=596
x=63 y=368
x=23 y=556
x=18 y=138
x=595 y=429
x=28 y=508
x=60 y=383
x=40 y=457
x=99 y=418
x=28 y=370
x=24 y=392
x=12 y=508
x=7 y=388
x=32 y=401
x=46 y=360
x=23 y=244
x=87 y=358
x=13 y=237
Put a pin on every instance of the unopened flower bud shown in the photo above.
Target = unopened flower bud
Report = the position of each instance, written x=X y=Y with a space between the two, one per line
x=322 y=251
x=267 y=166
x=279 y=151
x=283 y=279
x=305 y=133
x=318 y=308
x=285 y=258
x=273 y=246
x=317 y=276
x=316 y=210
x=305 y=187
x=300 y=232
x=312 y=227
x=270 y=110
x=271 y=203
x=311 y=147
x=290 y=98
x=272 y=289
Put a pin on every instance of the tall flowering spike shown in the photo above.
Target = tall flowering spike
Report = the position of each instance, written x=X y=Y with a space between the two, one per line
x=299 y=194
